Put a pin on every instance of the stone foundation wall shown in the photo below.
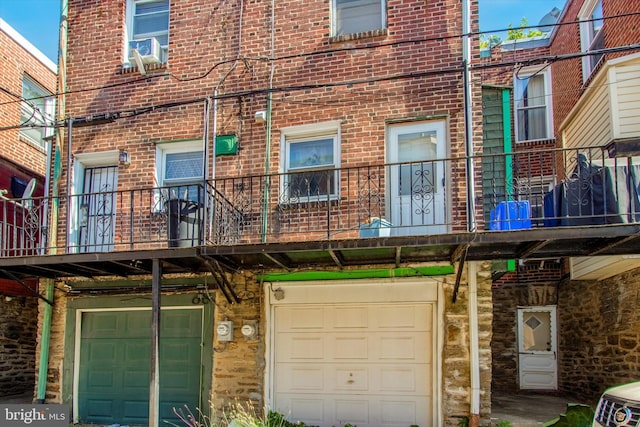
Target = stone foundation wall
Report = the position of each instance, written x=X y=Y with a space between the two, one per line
x=239 y=366
x=456 y=356
x=599 y=334
x=18 y=326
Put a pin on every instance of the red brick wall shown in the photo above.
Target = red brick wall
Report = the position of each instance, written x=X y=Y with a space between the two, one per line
x=205 y=37
x=15 y=61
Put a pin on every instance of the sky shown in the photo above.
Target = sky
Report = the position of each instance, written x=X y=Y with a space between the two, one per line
x=37 y=20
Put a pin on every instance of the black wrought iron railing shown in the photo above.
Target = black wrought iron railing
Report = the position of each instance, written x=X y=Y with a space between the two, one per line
x=513 y=191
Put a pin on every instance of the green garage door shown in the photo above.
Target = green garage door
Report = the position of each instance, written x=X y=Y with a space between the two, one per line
x=113 y=384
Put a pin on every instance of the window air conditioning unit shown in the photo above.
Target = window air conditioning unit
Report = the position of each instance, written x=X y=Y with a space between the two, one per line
x=148 y=51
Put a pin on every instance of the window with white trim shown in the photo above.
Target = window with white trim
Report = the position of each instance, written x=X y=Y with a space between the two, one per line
x=532 y=95
x=148 y=19
x=358 y=16
x=591 y=35
x=36 y=112
x=310 y=161
x=180 y=170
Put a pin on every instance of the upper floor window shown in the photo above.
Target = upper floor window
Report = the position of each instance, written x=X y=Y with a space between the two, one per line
x=357 y=16
x=36 y=112
x=591 y=35
x=149 y=19
x=532 y=104
x=310 y=162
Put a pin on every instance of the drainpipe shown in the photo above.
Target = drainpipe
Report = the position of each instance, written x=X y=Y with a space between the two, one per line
x=468 y=124
x=205 y=173
x=267 y=154
x=44 y=344
x=474 y=363
x=43 y=367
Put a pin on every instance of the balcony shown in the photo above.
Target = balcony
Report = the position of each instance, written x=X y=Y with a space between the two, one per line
x=535 y=204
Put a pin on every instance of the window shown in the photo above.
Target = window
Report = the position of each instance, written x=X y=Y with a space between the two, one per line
x=310 y=162
x=36 y=112
x=532 y=109
x=357 y=16
x=180 y=165
x=147 y=19
x=591 y=35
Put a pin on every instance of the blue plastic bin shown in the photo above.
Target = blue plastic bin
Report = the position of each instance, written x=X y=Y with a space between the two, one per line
x=376 y=227
x=512 y=215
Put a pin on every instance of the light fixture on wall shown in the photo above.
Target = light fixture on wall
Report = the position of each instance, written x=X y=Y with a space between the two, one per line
x=125 y=159
x=261 y=116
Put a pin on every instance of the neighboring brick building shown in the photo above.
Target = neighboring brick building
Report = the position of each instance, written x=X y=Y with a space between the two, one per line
x=24 y=73
x=595 y=102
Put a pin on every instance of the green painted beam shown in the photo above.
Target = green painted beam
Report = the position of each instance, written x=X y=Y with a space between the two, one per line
x=508 y=143
x=437 y=270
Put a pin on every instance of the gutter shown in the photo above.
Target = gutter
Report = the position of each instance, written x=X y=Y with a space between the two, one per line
x=382 y=273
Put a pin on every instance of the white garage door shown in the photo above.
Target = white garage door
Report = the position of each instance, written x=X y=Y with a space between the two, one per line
x=368 y=364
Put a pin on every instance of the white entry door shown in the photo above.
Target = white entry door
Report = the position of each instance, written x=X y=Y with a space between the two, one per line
x=537 y=348
x=417 y=182
x=97 y=209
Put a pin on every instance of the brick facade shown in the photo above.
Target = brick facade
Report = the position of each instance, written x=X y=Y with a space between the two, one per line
x=20 y=161
x=19 y=60
x=407 y=73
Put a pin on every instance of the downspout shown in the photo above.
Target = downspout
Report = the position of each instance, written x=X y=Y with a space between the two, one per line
x=507 y=146
x=468 y=118
x=474 y=354
x=44 y=344
x=267 y=154
x=205 y=173
x=43 y=365
x=474 y=363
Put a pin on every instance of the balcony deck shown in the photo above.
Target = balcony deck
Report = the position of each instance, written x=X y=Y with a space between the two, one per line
x=531 y=205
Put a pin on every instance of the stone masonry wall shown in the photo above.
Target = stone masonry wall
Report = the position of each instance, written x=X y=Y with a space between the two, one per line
x=599 y=334
x=239 y=366
x=455 y=370
x=17 y=344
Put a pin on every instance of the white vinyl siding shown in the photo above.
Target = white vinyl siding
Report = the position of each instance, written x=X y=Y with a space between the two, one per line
x=627 y=93
x=609 y=108
x=591 y=126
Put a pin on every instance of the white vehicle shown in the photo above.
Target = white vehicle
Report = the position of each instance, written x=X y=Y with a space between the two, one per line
x=619 y=407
